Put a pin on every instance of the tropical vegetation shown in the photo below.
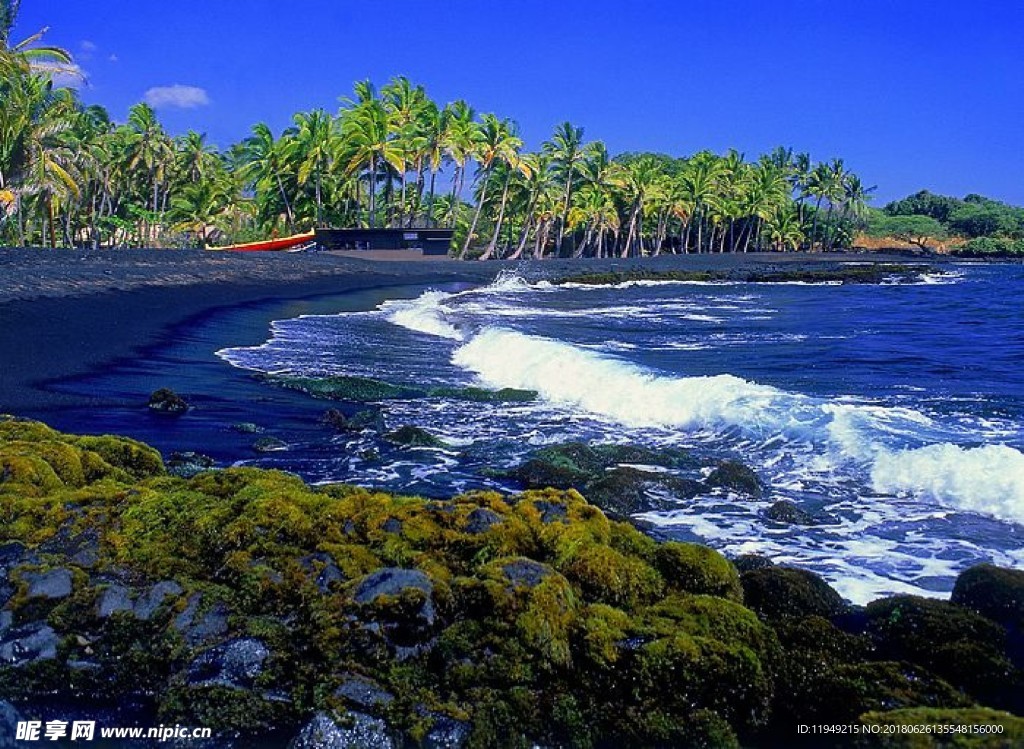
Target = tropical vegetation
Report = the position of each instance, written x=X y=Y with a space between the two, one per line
x=990 y=227
x=390 y=157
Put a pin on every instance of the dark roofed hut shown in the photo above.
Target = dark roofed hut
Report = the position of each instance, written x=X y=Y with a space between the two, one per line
x=433 y=243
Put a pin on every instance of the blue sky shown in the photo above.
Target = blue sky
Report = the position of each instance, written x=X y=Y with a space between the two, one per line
x=911 y=93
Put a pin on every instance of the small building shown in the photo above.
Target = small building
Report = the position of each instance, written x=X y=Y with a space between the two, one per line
x=432 y=242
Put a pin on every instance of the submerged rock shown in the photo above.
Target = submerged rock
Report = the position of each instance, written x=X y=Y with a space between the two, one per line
x=166 y=401
x=785 y=511
x=411 y=436
x=627 y=491
x=341 y=387
x=269 y=445
x=731 y=474
x=247 y=427
x=371 y=419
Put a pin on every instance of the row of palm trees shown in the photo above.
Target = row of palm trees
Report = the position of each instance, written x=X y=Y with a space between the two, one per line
x=395 y=158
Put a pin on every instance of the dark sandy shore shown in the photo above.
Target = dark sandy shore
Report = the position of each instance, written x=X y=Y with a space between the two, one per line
x=68 y=312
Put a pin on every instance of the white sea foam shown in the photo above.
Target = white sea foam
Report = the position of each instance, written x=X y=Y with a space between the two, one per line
x=988 y=480
x=424 y=314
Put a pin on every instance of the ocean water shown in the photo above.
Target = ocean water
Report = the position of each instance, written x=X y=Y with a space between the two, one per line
x=895 y=411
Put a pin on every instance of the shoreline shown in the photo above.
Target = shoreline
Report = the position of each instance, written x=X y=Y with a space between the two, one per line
x=69 y=313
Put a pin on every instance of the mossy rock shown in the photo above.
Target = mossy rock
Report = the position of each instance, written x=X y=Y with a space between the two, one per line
x=483 y=395
x=733 y=475
x=693 y=568
x=367 y=419
x=994 y=592
x=833 y=693
x=346 y=388
x=964 y=648
x=411 y=436
x=538 y=474
x=138 y=459
x=1011 y=733
x=627 y=491
x=778 y=592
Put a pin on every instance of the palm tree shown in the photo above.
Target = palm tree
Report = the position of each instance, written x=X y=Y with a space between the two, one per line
x=498 y=143
x=461 y=139
x=567 y=154
x=784 y=228
x=314 y=148
x=264 y=162
x=27 y=55
x=369 y=145
x=152 y=150
x=640 y=180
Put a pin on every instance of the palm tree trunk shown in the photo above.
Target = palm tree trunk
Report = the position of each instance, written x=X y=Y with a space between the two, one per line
x=476 y=215
x=372 y=190
x=501 y=217
x=430 y=199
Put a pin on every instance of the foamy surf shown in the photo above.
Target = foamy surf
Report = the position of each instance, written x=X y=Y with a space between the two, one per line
x=987 y=480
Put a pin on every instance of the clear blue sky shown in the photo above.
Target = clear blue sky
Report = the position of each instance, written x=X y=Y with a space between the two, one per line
x=912 y=93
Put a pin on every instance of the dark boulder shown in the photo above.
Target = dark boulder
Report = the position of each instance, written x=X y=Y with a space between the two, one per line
x=52 y=584
x=626 y=491
x=994 y=592
x=401 y=600
x=348 y=732
x=778 y=592
x=785 y=511
x=536 y=473
x=28 y=643
x=166 y=401
x=964 y=648
x=481 y=520
x=733 y=475
x=411 y=436
x=269 y=445
x=235 y=664
x=187 y=464
x=747 y=562
x=363 y=693
x=323 y=570
x=113 y=599
x=148 y=603
x=447 y=733
x=345 y=388
x=525 y=573
x=199 y=624
x=371 y=419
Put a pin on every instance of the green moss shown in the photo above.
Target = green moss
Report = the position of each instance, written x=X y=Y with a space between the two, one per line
x=548 y=624
x=697 y=569
x=962 y=647
x=342 y=387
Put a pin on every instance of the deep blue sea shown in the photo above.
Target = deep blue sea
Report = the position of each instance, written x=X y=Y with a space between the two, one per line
x=897 y=411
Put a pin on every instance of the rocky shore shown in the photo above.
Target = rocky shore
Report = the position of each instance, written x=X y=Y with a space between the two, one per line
x=282 y=614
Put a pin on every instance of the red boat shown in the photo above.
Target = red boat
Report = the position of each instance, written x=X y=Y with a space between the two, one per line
x=281 y=243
